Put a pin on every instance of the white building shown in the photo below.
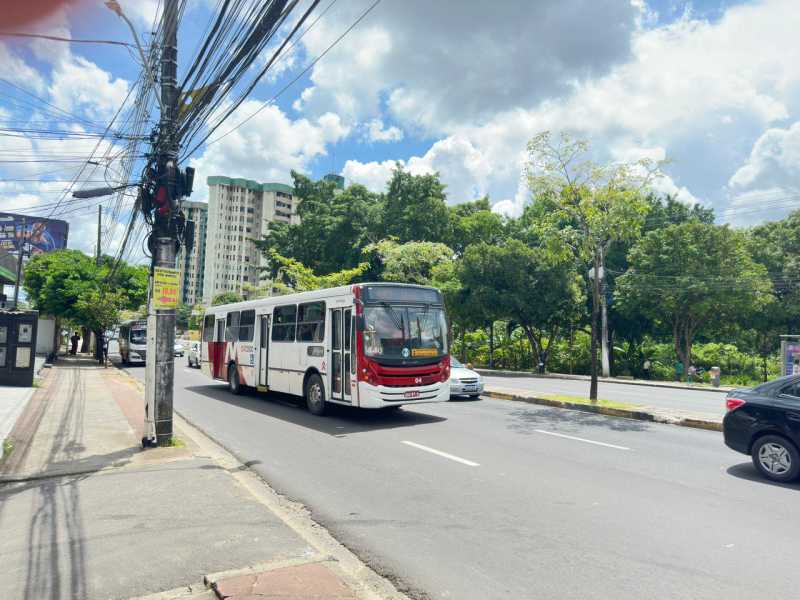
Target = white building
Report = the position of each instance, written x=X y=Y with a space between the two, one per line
x=239 y=213
x=192 y=264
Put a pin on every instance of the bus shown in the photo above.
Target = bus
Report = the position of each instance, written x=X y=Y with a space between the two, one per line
x=370 y=345
x=133 y=341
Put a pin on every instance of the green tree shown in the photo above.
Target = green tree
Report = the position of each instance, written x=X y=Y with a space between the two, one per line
x=412 y=262
x=537 y=289
x=473 y=222
x=226 y=298
x=693 y=277
x=415 y=208
x=590 y=206
x=334 y=226
x=294 y=276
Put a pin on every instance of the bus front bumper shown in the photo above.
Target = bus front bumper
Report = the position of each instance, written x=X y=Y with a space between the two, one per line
x=381 y=396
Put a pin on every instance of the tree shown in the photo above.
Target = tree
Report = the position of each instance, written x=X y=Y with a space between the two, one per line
x=415 y=208
x=294 y=276
x=590 y=206
x=473 y=222
x=693 y=277
x=226 y=298
x=535 y=288
x=183 y=314
x=412 y=262
x=71 y=285
x=334 y=226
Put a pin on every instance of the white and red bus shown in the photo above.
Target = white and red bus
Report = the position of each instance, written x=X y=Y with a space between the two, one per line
x=372 y=345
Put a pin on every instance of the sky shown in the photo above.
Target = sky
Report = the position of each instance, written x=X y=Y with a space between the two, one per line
x=458 y=88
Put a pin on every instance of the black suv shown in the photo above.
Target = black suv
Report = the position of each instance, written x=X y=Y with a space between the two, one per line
x=764 y=422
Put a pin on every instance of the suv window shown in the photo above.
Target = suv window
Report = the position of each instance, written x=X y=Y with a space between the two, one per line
x=793 y=389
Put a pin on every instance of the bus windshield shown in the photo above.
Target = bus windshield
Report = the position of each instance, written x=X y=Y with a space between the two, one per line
x=138 y=336
x=404 y=332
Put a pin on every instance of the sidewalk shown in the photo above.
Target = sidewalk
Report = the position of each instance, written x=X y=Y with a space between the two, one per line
x=85 y=513
x=644 y=382
x=13 y=401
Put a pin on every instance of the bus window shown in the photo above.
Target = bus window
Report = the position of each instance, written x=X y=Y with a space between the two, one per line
x=284 y=323
x=311 y=322
x=208 y=328
x=232 y=327
x=247 y=324
x=220 y=330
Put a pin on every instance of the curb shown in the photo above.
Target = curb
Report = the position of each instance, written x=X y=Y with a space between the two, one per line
x=495 y=373
x=637 y=415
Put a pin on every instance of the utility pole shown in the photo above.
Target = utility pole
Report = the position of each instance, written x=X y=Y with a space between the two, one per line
x=99 y=227
x=165 y=237
x=19 y=261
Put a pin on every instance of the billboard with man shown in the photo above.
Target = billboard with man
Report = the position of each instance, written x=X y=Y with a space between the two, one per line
x=35 y=234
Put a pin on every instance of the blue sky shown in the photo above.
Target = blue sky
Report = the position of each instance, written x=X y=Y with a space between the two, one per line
x=456 y=88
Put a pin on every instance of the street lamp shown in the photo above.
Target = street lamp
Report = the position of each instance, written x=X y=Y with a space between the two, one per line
x=103 y=191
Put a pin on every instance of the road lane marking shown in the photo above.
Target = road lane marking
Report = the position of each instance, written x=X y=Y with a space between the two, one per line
x=577 y=439
x=463 y=461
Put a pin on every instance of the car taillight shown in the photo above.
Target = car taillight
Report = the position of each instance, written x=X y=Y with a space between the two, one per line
x=733 y=403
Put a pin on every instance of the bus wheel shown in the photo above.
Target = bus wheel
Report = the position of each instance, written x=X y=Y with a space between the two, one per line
x=234 y=385
x=315 y=395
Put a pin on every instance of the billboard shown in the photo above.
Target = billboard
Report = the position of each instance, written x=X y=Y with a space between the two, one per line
x=39 y=235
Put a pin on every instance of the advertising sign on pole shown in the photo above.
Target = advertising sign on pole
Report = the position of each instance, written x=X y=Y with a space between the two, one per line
x=166 y=285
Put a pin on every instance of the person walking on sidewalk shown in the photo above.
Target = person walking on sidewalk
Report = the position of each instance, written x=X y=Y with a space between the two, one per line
x=678 y=371
x=74 y=341
x=646 y=368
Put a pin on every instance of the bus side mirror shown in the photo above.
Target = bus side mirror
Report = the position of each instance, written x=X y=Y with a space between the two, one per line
x=359 y=322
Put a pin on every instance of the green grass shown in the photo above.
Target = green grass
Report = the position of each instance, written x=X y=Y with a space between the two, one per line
x=175 y=442
x=581 y=400
x=8 y=447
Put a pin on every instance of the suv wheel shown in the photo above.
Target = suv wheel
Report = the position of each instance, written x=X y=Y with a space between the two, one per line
x=234 y=384
x=315 y=395
x=776 y=458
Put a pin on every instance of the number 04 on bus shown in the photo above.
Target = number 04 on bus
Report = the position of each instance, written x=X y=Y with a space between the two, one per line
x=372 y=345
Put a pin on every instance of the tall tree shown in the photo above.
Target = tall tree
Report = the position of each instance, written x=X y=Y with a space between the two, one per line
x=537 y=289
x=415 y=208
x=693 y=277
x=591 y=206
x=412 y=262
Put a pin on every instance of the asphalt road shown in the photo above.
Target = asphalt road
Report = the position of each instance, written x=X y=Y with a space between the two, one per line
x=494 y=499
x=700 y=402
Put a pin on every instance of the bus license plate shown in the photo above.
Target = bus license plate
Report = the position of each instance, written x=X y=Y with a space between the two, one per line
x=414 y=394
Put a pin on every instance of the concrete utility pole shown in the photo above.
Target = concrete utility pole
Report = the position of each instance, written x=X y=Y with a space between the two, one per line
x=19 y=261
x=164 y=229
x=99 y=229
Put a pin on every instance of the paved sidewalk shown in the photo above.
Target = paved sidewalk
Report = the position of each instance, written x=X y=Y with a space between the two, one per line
x=13 y=401
x=85 y=513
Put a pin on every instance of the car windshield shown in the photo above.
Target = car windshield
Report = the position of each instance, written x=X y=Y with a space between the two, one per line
x=404 y=332
x=138 y=336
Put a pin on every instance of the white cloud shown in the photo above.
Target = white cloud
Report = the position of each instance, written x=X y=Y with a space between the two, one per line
x=442 y=67
x=372 y=175
x=696 y=92
x=377 y=132
x=18 y=71
x=80 y=85
x=267 y=147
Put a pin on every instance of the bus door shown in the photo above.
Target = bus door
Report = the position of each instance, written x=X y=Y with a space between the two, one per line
x=263 y=350
x=340 y=355
x=217 y=355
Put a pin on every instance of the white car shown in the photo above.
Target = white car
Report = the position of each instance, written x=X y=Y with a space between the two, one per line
x=178 y=349
x=464 y=381
x=193 y=357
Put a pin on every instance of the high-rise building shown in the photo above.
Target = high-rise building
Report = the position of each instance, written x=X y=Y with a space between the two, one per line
x=192 y=264
x=239 y=214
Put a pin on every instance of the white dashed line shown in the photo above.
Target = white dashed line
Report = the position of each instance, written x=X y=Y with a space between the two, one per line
x=577 y=439
x=463 y=461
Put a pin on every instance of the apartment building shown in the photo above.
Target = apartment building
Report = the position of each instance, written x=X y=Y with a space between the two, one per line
x=239 y=214
x=192 y=264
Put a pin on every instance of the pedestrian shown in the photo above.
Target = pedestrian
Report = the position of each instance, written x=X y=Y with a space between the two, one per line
x=796 y=367
x=691 y=373
x=74 y=340
x=678 y=371
x=646 y=367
